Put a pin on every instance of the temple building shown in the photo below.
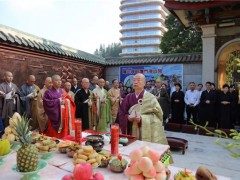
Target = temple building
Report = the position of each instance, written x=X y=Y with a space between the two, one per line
x=219 y=22
x=143 y=25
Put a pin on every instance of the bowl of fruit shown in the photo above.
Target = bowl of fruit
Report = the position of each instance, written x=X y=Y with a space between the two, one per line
x=118 y=164
x=72 y=149
x=62 y=146
x=105 y=158
x=184 y=175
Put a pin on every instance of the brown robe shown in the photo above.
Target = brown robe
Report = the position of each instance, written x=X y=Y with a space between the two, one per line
x=115 y=97
x=41 y=115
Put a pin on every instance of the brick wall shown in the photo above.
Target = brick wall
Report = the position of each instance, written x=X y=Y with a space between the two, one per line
x=25 y=62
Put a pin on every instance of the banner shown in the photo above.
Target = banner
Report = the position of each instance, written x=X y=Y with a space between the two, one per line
x=169 y=74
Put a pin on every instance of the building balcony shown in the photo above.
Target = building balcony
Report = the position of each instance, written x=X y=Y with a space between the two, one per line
x=159 y=19
x=140 y=45
x=160 y=11
x=162 y=28
x=140 y=3
x=141 y=36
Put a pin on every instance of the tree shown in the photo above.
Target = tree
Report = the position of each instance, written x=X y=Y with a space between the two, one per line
x=112 y=50
x=179 y=40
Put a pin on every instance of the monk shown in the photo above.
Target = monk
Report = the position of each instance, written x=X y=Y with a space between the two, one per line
x=9 y=99
x=115 y=97
x=102 y=102
x=41 y=115
x=84 y=105
x=140 y=114
x=28 y=96
x=60 y=109
x=67 y=88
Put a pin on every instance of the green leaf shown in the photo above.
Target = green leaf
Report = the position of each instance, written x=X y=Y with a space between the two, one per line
x=217 y=141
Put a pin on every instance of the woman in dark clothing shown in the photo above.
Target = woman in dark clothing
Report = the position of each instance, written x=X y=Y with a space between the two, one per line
x=225 y=101
x=178 y=105
x=234 y=110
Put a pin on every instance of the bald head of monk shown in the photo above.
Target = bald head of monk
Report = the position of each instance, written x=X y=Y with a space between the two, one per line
x=95 y=79
x=48 y=82
x=85 y=83
x=57 y=82
x=139 y=82
x=8 y=77
x=31 y=80
x=101 y=83
x=67 y=86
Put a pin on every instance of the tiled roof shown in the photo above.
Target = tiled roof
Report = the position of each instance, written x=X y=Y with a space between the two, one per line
x=160 y=59
x=24 y=40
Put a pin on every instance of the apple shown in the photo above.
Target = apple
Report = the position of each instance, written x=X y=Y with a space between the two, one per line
x=82 y=171
x=67 y=177
x=97 y=176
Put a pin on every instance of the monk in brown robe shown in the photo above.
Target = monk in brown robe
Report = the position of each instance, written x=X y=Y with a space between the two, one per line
x=115 y=97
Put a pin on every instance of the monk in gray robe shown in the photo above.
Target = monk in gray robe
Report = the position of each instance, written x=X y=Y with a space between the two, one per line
x=9 y=99
x=28 y=96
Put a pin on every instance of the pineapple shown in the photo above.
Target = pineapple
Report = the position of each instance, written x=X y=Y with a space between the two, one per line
x=27 y=155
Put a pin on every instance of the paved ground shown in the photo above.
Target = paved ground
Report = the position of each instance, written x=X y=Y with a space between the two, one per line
x=203 y=151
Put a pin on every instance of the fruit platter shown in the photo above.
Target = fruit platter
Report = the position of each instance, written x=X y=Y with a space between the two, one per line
x=45 y=146
x=72 y=149
x=87 y=155
x=62 y=146
x=32 y=174
x=184 y=175
x=145 y=163
x=118 y=164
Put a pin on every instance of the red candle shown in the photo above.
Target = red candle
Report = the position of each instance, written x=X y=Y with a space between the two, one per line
x=114 y=139
x=78 y=131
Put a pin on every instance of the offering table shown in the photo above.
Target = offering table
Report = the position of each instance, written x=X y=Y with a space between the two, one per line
x=61 y=165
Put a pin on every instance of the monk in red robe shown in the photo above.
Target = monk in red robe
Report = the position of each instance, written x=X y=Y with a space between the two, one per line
x=60 y=109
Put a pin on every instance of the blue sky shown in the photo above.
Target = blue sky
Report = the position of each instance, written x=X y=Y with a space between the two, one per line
x=81 y=24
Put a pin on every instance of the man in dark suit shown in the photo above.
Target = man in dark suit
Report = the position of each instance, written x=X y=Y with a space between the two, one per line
x=74 y=87
x=207 y=106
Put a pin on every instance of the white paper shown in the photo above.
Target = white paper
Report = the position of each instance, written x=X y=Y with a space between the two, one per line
x=86 y=101
x=2 y=92
x=134 y=113
x=29 y=95
x=9 y=95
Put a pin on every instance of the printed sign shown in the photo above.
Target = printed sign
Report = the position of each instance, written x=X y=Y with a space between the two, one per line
x=169 y=73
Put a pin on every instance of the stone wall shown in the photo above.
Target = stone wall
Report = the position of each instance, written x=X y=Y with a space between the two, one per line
x=25 y=62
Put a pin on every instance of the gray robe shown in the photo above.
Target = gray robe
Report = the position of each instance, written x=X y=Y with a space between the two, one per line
x=29 y=106
x=9 y=106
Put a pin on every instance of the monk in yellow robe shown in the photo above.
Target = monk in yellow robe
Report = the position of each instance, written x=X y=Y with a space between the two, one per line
x=141 y=115
x=103 y=107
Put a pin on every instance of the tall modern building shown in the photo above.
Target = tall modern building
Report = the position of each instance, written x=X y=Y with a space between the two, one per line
x=143 y=25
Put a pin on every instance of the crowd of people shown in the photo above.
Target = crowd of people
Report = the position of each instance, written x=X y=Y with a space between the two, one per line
x=54 y=108
x=218 y=108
